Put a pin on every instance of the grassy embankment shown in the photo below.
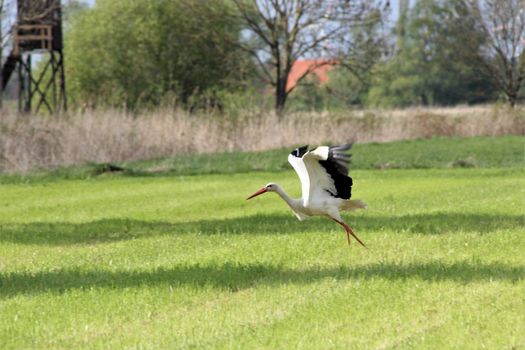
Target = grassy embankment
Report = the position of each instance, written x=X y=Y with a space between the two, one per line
x=30 y=142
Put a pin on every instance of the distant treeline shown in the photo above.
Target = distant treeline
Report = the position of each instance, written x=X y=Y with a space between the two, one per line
x=235 y=54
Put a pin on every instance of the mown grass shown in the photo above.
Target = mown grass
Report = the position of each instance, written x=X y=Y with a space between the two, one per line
x=476 y=152
x=185 y=262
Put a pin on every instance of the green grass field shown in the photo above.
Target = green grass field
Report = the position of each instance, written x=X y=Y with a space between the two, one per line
x=184 y=261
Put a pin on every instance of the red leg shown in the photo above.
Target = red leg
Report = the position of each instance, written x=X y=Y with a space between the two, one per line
x=349 y=232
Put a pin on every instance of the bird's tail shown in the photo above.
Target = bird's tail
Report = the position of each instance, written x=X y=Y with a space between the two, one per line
x=354 y=204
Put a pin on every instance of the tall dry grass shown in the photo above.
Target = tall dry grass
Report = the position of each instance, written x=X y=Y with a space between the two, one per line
x=28 y=142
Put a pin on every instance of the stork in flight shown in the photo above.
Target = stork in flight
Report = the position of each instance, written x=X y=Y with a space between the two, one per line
x=325 y=185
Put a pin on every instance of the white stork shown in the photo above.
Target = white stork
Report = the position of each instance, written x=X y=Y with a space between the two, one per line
x=326 y=186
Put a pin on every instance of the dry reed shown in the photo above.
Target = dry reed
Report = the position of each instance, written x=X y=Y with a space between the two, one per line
x=29 y=142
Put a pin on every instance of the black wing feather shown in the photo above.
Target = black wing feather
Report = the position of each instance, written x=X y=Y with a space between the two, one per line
x=299 y=152
x=337 y=167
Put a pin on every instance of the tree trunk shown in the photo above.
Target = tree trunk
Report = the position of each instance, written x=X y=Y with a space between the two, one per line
x=512 y=99
x=280 y=96
x=512 y=90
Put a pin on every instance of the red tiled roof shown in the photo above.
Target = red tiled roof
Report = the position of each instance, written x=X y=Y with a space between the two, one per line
x=301 y=66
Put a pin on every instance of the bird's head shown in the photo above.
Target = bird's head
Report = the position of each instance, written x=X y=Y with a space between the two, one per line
x=271 y=187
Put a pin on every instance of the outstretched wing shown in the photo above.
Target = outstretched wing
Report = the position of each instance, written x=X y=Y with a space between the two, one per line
x=336 y=166
x=296 y=160
x=323 y=171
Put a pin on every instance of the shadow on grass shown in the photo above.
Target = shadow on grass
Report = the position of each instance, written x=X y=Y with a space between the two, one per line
x=234 y=277
x=109 y=230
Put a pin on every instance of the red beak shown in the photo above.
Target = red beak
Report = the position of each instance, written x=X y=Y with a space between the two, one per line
x=261 y=191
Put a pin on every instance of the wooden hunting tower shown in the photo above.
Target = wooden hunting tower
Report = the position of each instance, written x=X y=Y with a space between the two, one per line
x=38 y=30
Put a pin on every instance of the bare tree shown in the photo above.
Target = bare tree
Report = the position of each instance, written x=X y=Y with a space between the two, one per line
x=502 y=52
x=276 y=33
